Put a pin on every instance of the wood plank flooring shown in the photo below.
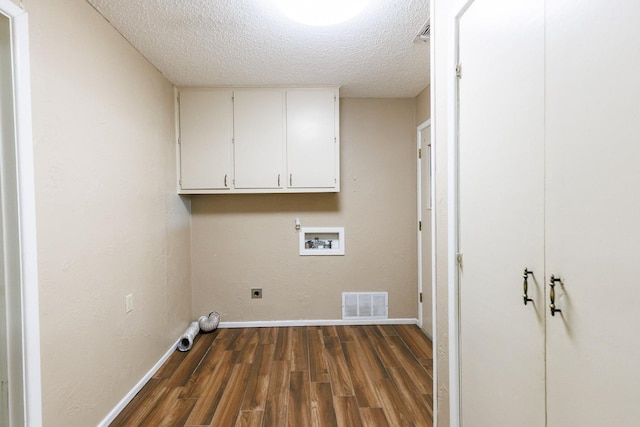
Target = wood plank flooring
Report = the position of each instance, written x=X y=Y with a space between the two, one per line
x=315 y=376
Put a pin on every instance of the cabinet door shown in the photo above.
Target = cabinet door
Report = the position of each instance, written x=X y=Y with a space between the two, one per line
x=259 y=138
x=312 y=139
x=206 y=129
x=501 y=213
x=593 y=212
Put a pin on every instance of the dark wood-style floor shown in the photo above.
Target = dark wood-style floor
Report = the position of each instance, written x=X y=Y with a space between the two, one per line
x=296 y=376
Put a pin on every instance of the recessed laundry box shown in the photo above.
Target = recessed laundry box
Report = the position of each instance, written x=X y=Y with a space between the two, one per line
x=322 y=241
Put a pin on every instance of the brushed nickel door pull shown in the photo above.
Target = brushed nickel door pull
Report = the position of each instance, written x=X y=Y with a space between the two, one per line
x=278 y=180
x=552 y=295
x=225 y=180
x=290 y=179
x=525 y=286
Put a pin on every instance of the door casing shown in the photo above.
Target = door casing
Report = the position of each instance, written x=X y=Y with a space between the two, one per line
x=24 y=340
x=426 y=150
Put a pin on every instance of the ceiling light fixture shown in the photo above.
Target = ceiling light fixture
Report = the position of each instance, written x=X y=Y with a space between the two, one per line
x=321 y=12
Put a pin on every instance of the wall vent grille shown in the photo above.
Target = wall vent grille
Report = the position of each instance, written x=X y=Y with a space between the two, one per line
x=365 y=305
x=425 y=32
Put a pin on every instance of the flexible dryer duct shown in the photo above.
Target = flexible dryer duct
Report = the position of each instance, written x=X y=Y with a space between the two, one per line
x=186 y=340
x=209 y=323
x=204 y=324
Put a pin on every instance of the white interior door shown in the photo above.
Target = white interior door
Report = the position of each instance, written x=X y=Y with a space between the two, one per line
x=425 y=234
x=593 y=211
x=501 y=213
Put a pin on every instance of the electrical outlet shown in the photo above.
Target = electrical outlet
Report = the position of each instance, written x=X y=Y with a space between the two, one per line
x=256 y=293
x=128 y=302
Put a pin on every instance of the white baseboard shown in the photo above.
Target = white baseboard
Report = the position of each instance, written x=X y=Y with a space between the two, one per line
x=254 y=324
x=329 y=322
x=125 y=400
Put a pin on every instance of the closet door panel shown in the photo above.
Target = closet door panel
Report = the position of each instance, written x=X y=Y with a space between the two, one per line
x=593 y=211
x=501 y=229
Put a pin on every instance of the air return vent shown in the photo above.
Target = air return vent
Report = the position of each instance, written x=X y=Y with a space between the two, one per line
x=425 y=32
x=365 y=305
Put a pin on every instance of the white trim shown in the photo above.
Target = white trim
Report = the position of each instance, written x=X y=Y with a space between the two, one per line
x=434 y=211
x=455 y=404
x=434 y=274
x=136 y=388
x=328 y=322
x=10 y=9
x=27 y=217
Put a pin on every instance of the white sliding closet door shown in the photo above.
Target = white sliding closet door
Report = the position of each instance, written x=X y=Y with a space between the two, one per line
x=593 y=211
x=501 y=213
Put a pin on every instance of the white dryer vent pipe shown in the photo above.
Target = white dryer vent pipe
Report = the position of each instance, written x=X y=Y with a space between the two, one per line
x=209 y=323
x=186 y=340
x=204 y=324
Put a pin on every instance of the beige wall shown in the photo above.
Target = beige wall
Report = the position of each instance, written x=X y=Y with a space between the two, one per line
x=109 y=220
x=244 y=241
x=423 y=106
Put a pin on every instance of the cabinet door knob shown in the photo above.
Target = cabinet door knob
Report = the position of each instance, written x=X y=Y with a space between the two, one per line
x=525 y=286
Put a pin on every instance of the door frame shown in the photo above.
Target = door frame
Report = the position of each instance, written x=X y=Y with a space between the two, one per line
x=28 y=342
x=454 y=220
x=424 y=125
x=432 y=189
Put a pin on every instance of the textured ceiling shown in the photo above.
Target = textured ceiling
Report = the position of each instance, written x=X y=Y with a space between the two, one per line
x=250 y=42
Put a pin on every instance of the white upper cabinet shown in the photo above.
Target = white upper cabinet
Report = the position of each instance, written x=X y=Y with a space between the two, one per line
x=206 y=130
x=312 y=138
x=259 y=140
